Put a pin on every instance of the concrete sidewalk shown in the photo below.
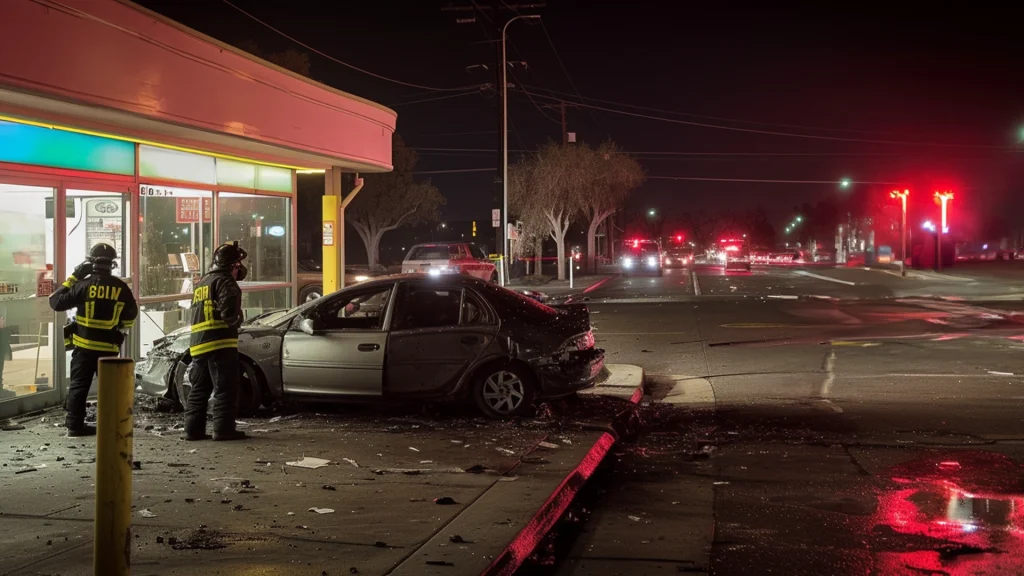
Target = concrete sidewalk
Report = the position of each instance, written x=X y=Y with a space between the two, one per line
x=560 y=288
x=383 y=498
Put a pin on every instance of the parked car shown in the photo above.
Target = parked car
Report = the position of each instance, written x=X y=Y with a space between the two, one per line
x=677 y=258
x=642 y=256
x=404 y=337
x=450 y=258
x=311 y=279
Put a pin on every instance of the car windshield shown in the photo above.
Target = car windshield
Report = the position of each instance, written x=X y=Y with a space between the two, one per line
x=268 y=318
x=428 y=253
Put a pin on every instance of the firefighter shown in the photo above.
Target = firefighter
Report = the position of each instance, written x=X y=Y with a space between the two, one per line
x=215 y=369
x=105 y=307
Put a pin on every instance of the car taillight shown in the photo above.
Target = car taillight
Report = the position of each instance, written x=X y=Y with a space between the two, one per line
x=579 y=343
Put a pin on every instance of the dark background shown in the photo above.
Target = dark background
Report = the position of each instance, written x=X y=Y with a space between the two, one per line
x=917 y=72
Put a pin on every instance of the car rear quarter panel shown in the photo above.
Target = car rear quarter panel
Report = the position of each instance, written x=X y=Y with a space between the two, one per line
x=263 y=347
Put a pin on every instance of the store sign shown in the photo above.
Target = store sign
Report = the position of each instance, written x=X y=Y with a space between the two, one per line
x=26 y=144
x=187 y=210
x=276 y=231
x=328 y=233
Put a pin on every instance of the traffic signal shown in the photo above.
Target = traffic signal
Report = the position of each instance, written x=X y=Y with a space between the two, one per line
x=474 y=228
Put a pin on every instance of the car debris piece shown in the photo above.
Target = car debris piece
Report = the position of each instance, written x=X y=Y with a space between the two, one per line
x=456 y=539
x=445 y=501
x=476 y=469
x=136 y=465
x=414 y=449
x=24 y=470
x=321 y=510
x=634 y=518
x=548 y=445
x=329 y=487
x=351 y=461
x=147 y=513
x=309 y=463
x=506 y=451
x=283 y=418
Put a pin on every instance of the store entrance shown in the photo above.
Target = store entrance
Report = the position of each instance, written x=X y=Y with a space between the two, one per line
x=27 y=324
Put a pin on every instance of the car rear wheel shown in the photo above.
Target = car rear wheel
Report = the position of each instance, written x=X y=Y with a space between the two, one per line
x=310 y=292
x=504 y=390
x=494 y=277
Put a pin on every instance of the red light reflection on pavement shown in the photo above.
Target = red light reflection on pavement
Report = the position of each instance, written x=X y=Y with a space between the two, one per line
x=961 y=514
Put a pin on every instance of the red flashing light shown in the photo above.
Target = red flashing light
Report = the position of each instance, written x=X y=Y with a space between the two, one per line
x=679 y=237
x=636 y=243
x=732 y=248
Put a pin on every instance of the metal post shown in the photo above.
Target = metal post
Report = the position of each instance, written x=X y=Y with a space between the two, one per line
x=570 y=270
x=501 y=269
x=114 y=423
x=503 y=76
x=903 y=237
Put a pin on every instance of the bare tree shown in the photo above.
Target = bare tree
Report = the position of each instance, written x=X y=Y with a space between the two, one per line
x=391 y=200
x=550 y=185
x=612 y=175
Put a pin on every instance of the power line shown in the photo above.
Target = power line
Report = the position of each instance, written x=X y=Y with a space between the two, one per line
x=707 y=117
x=567 y=76
x=765 y=181
x=774 y=133
x=434 y=99
x=346 y=64
x=457 y=171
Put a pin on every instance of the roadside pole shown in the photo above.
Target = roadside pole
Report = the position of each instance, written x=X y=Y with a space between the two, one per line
x=570 y=271
x=112 y=541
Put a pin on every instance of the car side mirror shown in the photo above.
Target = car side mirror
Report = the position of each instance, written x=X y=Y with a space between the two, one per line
x=306 y=325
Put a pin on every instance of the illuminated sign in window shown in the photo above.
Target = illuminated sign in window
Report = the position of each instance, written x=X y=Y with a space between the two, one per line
x=26 y=144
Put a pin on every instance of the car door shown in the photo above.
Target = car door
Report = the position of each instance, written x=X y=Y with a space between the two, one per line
x=438 y=330
x=344 y=354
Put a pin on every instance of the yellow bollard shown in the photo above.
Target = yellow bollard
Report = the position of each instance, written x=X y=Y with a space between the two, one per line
x=114 y=423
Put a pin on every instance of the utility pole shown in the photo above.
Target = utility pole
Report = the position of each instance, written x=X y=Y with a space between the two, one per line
x=499 y=15
x=567 y=137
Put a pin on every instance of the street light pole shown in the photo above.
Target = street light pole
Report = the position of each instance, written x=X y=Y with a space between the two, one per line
x=943 y=197
x=903 y=229
x=503 y=233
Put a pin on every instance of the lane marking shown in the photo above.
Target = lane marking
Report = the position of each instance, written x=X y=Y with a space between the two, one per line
x=830 y=374
x=855 y=344
x=759 y=325
x=830 y=404
x=784 y=296
x=826 y=278
x=696 y=284
x=993 y=372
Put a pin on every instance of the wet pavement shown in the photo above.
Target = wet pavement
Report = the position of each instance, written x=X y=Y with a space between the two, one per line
x=841 y=430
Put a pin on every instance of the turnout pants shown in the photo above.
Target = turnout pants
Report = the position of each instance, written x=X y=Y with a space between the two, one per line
x=216 y=373
x=83 y=370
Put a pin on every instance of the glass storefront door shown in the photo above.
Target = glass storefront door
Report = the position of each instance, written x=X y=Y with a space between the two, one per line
x=29 y=329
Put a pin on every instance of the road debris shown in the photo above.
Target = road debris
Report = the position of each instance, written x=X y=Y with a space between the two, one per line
x=24 y=470
x=147 y=513
x=351 y=461
x=309 y=463
x=634 y=518
x=508 y=478
x=548 y=445
x=136 y=465
x=414 y=449
x=476 y=469
x=321 y=510
x=283 y=418
x=456 y=539
x=445 y=501
x=200 y=539
x=329 y=487
x=439 y=563
x=506 y=451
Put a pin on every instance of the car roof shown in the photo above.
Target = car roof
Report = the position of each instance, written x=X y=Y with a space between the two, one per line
x=392 y=278
x=438 y=244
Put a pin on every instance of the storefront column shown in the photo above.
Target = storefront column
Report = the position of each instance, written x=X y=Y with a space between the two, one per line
x=333 y=232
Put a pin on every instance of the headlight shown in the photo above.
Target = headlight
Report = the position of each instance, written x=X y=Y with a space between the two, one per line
x=652 y=261
x=362 y=278
x=434 y=272
x=627 y=262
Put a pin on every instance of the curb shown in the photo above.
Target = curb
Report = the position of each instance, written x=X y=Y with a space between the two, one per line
x=492 y=554
x=526 y=541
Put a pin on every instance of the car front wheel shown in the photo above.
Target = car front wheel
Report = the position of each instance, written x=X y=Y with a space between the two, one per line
x=505 y=390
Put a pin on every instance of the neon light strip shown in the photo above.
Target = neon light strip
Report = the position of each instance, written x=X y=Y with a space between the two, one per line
x=148 y=142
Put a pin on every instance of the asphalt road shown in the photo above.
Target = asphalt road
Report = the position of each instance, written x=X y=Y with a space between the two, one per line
x=816 y=421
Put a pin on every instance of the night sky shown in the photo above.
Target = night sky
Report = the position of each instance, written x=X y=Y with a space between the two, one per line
x=917 y=73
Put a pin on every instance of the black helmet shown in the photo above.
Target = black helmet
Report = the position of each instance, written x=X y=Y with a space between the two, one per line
x=103 y=252
x=102 y=257
x=227 y=254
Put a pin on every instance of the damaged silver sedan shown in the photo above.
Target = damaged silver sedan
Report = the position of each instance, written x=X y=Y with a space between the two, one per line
x=402 y=338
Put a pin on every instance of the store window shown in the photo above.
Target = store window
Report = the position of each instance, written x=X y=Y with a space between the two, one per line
x=256 y=303
x=177 y=239
x=98 y=218
x=27 y=324
x=262 y=226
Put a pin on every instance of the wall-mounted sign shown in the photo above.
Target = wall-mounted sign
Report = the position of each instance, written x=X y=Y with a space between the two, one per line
x=187 y=210
x=328 y=233
x=155 y=191
x=277 y=231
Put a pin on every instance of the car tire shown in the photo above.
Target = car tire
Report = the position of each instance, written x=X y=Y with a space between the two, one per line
x=310 y=292
x=250 y=390
x=504 y=390
x=250 y=387
x=494 y=278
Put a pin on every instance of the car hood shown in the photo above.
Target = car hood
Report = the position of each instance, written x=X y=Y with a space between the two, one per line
x=178 y=340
